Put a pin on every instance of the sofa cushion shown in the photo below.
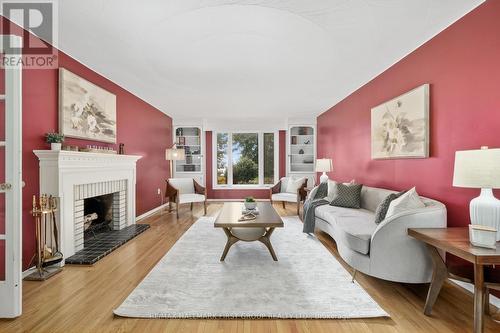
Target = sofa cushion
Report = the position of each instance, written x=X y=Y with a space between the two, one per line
x=191 y=197
x=288 y=197
x=371 y=197
x=356 y=235
x=352 y=227
x=348 y=196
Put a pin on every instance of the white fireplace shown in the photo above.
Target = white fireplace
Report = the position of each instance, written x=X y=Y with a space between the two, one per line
x=75 y=176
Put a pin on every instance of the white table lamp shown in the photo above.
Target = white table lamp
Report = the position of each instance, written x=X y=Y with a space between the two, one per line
x=324 y=165
x=480 y=169
x=174 y=154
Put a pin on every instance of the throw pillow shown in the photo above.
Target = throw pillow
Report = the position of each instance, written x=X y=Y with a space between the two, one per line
x=294 y=185
x=284 y=184
x=382 y=209
x=332 y=189
x=348 y=196
x=409 y=200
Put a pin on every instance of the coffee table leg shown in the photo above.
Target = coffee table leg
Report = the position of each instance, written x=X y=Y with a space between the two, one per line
x=266 y=240
x=230 y=241
x=439 y=275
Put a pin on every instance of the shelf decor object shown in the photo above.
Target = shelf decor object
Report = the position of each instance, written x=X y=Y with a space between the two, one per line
x=55 y=140
x=480 y=169
x=174 y=154
x=400 y=127
x=324 y=165
x=482 y=236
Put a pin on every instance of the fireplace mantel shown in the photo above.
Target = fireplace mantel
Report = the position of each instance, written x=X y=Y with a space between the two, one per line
x=63 y=172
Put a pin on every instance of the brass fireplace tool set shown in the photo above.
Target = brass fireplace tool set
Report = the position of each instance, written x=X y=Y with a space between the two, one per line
x=47 y=242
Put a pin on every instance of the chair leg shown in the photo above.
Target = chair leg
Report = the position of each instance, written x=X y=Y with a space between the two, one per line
x=298 y=208
x=169 y=206
x=191 y=206
x=283 y=203
x=205 y=207
x=486 y=302
x=177 y=209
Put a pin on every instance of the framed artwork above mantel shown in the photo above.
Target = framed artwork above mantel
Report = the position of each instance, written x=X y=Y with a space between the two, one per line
x=86 y=111
x=400 y=127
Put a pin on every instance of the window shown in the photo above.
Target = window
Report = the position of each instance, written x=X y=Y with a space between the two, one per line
x=222 y=158
x=245 y=159
x=268 y=158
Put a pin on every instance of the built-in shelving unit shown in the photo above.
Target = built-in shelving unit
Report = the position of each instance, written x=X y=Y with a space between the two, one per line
x=302 y=151
x=191 y=139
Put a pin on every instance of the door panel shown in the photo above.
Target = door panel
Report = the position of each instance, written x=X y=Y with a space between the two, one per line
x=10 y=186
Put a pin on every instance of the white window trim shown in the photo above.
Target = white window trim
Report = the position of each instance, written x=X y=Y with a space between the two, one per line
x=229 y=185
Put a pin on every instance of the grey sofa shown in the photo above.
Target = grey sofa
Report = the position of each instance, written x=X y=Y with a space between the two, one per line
x=382 y=250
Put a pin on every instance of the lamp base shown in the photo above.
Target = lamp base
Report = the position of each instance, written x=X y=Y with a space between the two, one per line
x=485 y=210
x=323 y=178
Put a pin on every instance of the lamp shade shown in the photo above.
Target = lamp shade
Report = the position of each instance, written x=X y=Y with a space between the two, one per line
x=324 y=165
x=175 y=154
x=477 y=168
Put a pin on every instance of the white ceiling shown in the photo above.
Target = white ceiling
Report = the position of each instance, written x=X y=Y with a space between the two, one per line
x=248 y=59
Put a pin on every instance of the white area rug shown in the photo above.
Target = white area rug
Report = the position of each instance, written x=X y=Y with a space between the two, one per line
x=191 y=282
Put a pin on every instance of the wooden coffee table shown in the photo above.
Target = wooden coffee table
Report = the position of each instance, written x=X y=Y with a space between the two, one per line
x=259 y=229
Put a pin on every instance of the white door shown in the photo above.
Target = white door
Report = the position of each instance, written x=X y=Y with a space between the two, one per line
x=10 y=188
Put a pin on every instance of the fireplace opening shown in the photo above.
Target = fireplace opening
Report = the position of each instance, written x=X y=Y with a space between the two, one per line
x=98 y=215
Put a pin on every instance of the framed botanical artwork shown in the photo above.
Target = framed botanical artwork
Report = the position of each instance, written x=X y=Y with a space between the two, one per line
x=400 y=127
x=86 y=111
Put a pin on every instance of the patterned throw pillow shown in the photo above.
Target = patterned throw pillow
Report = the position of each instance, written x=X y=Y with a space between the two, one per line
x=382 y=209
x=348 y=196
x=332 y=189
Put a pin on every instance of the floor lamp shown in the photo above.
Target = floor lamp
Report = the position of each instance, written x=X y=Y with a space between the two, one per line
x=174 y=154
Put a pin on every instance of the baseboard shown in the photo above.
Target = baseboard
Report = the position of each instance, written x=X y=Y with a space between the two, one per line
x=495 y=301
x=28 y=271
x=234 y=200
x=150 y=212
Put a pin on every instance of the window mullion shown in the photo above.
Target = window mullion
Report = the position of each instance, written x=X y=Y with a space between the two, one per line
x=260 y=142
x=230 y=159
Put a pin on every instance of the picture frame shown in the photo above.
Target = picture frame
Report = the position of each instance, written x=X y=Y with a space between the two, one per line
x=86 y=111
x=400 y=126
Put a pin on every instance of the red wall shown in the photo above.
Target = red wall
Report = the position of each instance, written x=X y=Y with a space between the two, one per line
x=144 y=130
x=462 y=65
x=239 y=193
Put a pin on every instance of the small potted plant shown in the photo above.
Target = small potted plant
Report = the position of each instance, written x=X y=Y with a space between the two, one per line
x=250 y=203
x=55 y=140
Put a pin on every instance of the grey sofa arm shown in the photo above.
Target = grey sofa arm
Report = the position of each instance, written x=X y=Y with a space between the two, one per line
x=396 y=255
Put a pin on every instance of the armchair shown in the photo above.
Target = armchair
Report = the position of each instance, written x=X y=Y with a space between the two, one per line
x=289 y=189
x=185 y=190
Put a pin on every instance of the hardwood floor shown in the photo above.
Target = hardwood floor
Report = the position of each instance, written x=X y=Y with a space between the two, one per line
x=81 y=299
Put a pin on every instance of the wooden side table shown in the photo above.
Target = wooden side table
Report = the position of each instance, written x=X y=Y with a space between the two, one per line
x=456 y=242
